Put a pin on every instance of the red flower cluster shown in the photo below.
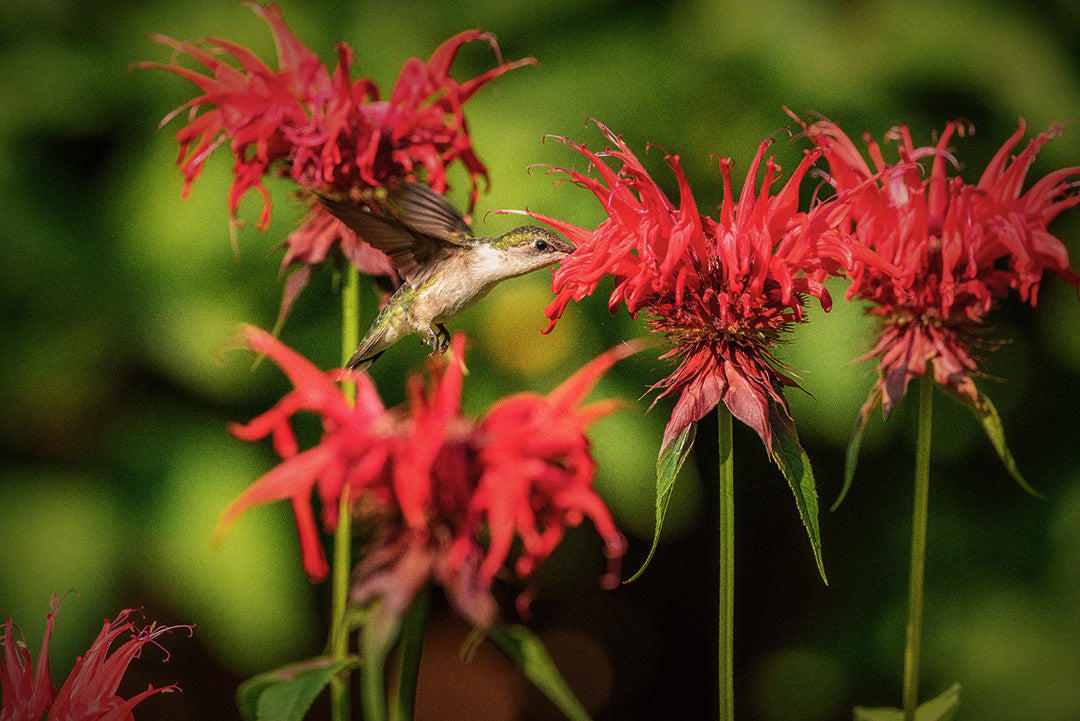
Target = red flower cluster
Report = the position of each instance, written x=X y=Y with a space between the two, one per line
x=89 y=694
x=431 y=483
x=958 y=247
x=722 y=290
x=326 y=131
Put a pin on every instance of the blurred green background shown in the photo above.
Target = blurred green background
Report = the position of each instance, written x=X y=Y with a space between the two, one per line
x=118 y=302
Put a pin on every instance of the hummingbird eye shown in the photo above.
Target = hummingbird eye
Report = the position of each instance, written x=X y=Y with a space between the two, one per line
x=541 y=244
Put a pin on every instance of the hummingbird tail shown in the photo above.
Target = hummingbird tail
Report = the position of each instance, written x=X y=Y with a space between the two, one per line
x=360 y=362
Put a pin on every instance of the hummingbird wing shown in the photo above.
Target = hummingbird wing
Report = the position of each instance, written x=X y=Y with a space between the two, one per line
x=430 y=213
x=426 y=228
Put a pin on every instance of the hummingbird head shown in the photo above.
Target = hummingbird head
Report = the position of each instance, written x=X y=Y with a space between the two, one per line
x=530 y=248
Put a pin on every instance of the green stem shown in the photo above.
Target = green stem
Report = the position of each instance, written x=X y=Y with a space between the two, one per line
x=726 y=571
x=913 y=636
x=350 y=322
x=339 y=631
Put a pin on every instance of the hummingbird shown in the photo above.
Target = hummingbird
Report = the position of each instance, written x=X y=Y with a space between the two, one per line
x=444 y=265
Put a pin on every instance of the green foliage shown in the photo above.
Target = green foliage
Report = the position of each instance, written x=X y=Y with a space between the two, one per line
x=851 y=457
x=526 y=650
x=794 y=464
x=286 y=694
x=668 y=464
x=940 y=708
x=987 y=416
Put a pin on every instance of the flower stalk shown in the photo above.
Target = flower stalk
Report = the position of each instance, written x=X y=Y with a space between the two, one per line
x=726 y=569
x=342 y=560
x=913 y=634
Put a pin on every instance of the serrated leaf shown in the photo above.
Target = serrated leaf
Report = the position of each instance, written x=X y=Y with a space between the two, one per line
x=668 y=464
x=988 y=418
x=526 y=650
x=940 y=708
x=286 y=693
x=794 y=464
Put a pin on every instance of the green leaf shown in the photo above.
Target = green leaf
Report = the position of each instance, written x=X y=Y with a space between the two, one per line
x=667 y=468
x=407 y=670
x=851 y=458
x=795 y=465
x=941 y=708
x=526 y=650
x=286 y=693
x=988 y=418
x=878 y=714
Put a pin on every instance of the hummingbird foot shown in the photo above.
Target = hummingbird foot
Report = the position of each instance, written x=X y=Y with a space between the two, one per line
x=438 y=338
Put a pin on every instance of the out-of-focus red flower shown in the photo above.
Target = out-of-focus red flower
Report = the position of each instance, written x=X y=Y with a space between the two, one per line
x=430 y=485
x=324 y=130
x=534 y=455
x=959 y=248
x=721 y=291
x=89 y=693
x=354 y=448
